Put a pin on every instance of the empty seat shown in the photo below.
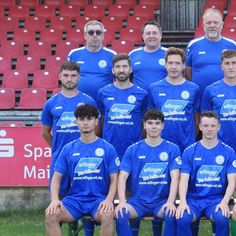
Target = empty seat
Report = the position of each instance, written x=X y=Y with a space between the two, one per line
x=71 y=11
x=130 y=3
x=32 y=98
x=35 y=23
x=17 y=79
x=112 y=22
x=104 y=3
x=81 y=3
x=229 y=32
x=11 y=49
x=24 y=35
x=2 y=11
x=54 y=63
x=29 y=3
x=37 y=124
x=5 y=64
x=122 y=46
x=60 y=22
x=82 y=20
x=76 y=35
x=18 y=11
x=94 y=11
x=121 y=11
x=232 y=10
x=45 y=79
x=39 y=49
x=230 y=21
x=55 y=3
x=45 y=11
x=199 y=31
x=144 y=11
x=63 y=48
x=9 y=23
x=51 y=35
x=56 y=90
x=132 y=34
x=12 y=124
x=136 y=22
x=7 y=3
x=27 y=63
x=7 y=98
x=109 y=36
x=216 y=5
x=154 y=3
x=216 y=2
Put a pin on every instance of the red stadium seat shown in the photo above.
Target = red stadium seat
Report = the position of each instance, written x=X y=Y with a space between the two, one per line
x=80 y=3
x=153 y=3
x=144 y=11
x=2 y=11
x=45 y=79
x=56 y=90
x=32 y=98
x=37 y=124
x=12 y=124
x=7 y=98
x=24 y=35
x=82 y=20
x=229 y=32
x=104 y=3
x=29 y=3
x=122 y=46
x=199 y=31
x=55 y=3
x=230 y=21
x=131 y=34
x=118 y=10
x=217 y=5
x=130 y=3
x=109 y=36
x=5 y=64
x=232 y=10
x=94 y=11
x=136 y=22
x=45 y=11
x=70 y=11
x=39 y=49
x=9 y=23
x=76 y=35
x=63 y=48
x=51 y=35
x=18 y=11
x=112 y=22
x=216 y=2
x=16 y=79
x=60 y=22
x=7 y=3
x=11 y=49
x=27 y=63
x=35 y=23
x=53 y=63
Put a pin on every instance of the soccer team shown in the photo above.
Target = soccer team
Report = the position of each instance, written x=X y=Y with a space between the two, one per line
x=100 y=98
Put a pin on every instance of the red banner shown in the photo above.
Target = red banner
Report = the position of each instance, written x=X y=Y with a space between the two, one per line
x=24 y=157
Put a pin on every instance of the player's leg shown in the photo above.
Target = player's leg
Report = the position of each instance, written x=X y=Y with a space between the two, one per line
x=134 y=226
x=88 y=227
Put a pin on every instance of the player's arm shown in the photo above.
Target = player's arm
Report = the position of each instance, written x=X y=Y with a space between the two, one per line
x=228 y=193
x=188 y=72
x=183 y=188
x=55 y=187
x=46 y=134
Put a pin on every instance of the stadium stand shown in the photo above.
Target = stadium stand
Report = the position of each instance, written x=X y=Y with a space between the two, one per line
x=12 y=124
x=95 y=11
x=39 y=49
x=27 y=63
x=35 y=23
x=7 y=98
x=121 y=11
x=122 y=46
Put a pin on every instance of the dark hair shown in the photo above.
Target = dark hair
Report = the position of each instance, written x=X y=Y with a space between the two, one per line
x=70 y=65
x=228 y=54
x=86 y=110
x=175 y=51
x=151 y=22
x=209 y=114
x=153 y=114
x=119 y=57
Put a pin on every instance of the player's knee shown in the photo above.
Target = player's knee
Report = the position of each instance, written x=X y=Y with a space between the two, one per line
x=107 y=218
x=51 y=219
x=124 y=218
x=168 y=218
x=185 y=220
x=219 y=219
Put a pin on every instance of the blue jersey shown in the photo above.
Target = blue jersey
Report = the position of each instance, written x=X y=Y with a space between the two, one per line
x=89 y=166
x=178 y=104
x=204 y=57
x=95 y=69
x=208 y=169
x=58 y=112
x=149 y=169
x=123 y=111
x=221 y=98
x=148 y=67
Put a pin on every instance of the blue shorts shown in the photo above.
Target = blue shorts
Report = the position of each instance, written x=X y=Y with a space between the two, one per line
x=203 y=207
x=143 y=209
x=79 y=208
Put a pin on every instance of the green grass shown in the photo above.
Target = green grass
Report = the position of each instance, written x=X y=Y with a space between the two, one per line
x=31 y=223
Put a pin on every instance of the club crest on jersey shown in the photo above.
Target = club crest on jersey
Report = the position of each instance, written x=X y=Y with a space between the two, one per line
x=178 y=160
x=185 y=94
x=99 y=152
x=220 y=160
x=162 y=61
x=117 y=161
x=234 y=163
x=163 y=156
x=102 y=63
x=131 y=99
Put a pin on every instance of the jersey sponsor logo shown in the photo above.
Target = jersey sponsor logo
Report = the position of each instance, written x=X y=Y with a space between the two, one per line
x=185 y=94
x=102 y=63
x=131 y=99
x=99 y=152
x=220 y=160
x=228 y=108
x=153 y=171
x=120 y=111
x=67 y=120
x=162 y=61
x=163 y=156
x=88 y=165
x=209 y=173
x=6 y=145
x=174 y=107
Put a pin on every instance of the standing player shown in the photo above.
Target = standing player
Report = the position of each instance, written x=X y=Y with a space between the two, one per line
x=91 y=163
x=207 y=179
x=148 y=62
x=153 y=166
x=178 y=99
x=221 y=98
x=95 y=60
x=203 y=54
x=122 y=105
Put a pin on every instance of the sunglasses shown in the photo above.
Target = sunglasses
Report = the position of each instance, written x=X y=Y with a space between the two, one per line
x=97 y=32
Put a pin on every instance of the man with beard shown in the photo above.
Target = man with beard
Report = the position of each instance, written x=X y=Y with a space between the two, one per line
x=203 y=54
x=94 y=59
x=122 y=105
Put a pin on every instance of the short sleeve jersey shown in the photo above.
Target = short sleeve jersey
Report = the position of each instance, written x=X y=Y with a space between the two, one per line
x=95 y=69
x=123 y=110
x=208 y=169
x=89 y=167
x=178 y=104
x=149 y=169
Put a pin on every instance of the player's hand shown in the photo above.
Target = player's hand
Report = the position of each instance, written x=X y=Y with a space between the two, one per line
x=170 y=208
x=54 y=205
x=224 y=209
x=119 y=209
x=106 y=206
x=181 y=209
